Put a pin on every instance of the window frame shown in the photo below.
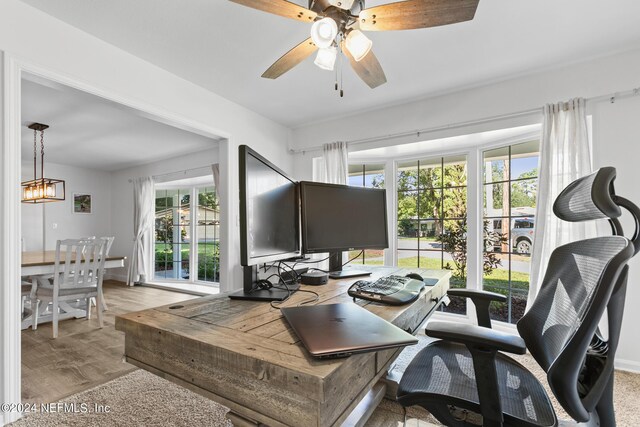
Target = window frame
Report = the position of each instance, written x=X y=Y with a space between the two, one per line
x=510 y=217
x=193 y=230
x=475 y=213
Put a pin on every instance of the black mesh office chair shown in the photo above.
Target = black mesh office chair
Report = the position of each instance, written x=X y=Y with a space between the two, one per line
x=466 y=370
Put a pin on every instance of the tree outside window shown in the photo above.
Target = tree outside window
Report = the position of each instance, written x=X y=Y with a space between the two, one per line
x=509 y=197
x=431 y=218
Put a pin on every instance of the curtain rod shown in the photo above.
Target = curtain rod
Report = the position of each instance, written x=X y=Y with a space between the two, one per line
x=609 y=97
x=183 y=172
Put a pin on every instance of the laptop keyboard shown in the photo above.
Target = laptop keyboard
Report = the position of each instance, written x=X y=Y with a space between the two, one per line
x=394 y=290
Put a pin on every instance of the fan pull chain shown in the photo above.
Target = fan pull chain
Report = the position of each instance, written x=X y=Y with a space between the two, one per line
x=336 y=74
x=340 y=67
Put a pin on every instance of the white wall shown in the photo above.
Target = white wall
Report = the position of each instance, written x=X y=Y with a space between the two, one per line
x=38 y=39
x=57 y=219
x=593 y=78
x=47 y=46
x=122 y=196
x=616 y=133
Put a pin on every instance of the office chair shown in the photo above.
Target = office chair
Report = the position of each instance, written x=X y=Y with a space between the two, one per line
x=465 y=378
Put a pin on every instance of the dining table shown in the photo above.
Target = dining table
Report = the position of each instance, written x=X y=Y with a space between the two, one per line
x=37 y=267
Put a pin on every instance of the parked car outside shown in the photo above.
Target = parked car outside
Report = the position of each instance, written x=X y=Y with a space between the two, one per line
x=522 y=235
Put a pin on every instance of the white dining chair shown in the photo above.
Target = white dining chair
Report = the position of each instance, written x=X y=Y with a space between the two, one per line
x=27 y=291
x=78 y=274
x=108 y=241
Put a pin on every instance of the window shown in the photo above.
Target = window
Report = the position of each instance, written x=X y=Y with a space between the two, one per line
x=510 y=193
x=172 y=226
x=369 y=176
x=208 y=232
x=187 y=235
x=432 y=217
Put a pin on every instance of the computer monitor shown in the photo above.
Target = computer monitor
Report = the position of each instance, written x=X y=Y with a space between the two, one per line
x=269 y=222
x=338 y=218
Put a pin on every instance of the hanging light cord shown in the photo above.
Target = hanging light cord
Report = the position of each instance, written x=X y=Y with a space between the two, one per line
x=35 y=154
x=42 y=153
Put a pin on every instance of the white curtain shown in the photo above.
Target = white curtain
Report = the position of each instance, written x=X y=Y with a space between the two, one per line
x=140 y=265
x=336 y=164
x=564 y=157
x=215 y=168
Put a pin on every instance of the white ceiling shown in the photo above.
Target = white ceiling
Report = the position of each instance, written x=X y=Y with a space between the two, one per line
x=88 y=131
x=225 y=47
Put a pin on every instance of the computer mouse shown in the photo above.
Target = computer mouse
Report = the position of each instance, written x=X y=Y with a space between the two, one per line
x=415 y=276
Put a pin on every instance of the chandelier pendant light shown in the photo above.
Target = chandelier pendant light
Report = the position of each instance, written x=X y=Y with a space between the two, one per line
x=41 y=190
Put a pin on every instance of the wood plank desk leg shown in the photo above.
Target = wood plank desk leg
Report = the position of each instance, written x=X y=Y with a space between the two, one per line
x=240 y=421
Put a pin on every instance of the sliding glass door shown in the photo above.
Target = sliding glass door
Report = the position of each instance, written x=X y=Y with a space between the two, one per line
x=187 y=230
x=173 y=243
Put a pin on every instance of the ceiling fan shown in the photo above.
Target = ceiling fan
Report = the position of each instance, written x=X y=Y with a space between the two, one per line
x=338 y=25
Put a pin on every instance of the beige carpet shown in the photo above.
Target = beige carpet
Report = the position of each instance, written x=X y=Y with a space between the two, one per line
x=142 y=399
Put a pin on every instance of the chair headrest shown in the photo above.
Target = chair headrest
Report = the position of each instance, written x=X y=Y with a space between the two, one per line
x=588 y=198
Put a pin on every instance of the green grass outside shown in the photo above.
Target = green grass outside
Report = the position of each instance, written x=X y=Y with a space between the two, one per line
x=203 y=249
x=428 y=239
x=497 y=281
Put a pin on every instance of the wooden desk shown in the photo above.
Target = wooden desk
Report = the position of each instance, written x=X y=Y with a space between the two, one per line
x=243 y=355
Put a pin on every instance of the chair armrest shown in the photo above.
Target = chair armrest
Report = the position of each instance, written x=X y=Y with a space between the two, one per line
x=482 y=300
x=477 y=295
x=476 y=337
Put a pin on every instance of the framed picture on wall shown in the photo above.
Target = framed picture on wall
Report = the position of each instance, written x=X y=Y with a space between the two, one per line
x=81 y=203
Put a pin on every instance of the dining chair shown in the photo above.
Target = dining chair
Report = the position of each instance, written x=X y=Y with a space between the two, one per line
x=78 y=274
x=108 y=241
x=27 y=291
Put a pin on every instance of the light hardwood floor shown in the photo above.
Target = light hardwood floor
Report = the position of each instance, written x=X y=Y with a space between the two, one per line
x=84 y=356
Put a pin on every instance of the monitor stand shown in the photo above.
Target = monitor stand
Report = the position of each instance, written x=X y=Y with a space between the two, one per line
x=248 y=292
x=336 y=271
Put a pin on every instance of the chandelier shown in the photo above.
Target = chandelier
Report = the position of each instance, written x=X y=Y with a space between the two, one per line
x=41 y=190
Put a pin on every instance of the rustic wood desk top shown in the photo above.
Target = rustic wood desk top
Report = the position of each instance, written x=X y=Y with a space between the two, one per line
x=244 y=355
x=37 y=258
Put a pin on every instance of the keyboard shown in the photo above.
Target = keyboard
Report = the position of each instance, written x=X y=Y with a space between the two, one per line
x=392 y=290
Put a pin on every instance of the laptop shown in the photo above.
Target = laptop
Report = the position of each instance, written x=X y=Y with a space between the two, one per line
x=340 y=330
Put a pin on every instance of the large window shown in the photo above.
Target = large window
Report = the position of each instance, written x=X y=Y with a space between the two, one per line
x=510 y=194
x=432 y=217
x=432 y=229
x=172 y=237
x=208 y=232
x=369 y=176
x=187 y=235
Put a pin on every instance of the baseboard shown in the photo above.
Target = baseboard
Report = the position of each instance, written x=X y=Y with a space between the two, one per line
x=628 y=365
x=7 y=418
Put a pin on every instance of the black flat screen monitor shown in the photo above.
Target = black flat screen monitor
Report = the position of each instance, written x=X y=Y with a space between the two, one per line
x=339 y=218
x=269 y=221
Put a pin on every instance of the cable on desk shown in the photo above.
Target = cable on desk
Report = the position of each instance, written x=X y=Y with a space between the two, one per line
x=357 y=256
x=277 y=304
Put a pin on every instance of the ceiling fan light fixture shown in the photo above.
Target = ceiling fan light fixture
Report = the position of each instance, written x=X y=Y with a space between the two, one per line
x=342 y=4
x=326 y=58
x=358 y=44
x=324 y=32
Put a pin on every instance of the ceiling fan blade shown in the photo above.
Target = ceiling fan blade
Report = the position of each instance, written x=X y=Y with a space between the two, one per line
x=368 y=69
x=280 y=7
x=412 y=14
x=290 y=59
